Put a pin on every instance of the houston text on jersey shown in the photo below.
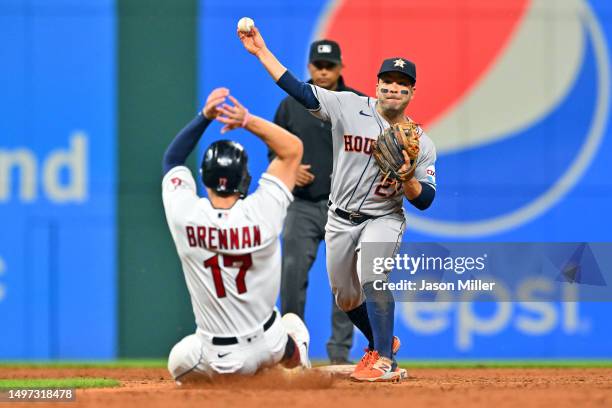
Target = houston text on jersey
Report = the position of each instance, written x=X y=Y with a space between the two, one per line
x=360 y=144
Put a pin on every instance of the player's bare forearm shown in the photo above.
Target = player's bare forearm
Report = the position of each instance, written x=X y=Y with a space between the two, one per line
x=285 y=145
x=271 y=64
x=254 y=43
x=412 y=188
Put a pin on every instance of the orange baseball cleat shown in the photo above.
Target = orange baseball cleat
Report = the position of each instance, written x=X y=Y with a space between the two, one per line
x=365 y=360
x=379 y=369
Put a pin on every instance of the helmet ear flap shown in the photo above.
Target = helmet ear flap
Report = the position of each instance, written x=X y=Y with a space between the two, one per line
x=245 y=179
x=243 y=188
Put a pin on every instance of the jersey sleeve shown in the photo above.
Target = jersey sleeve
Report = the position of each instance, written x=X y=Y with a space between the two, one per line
x=268 y=204
x=179 y=192
x=332 y=103
x=426 y=165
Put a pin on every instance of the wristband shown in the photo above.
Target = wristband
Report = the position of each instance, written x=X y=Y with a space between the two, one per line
x=246 y=118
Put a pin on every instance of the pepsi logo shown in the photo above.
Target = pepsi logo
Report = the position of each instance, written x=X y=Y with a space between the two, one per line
x=520 y=88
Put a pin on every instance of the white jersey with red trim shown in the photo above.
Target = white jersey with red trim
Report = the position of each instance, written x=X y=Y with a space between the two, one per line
x=230 y=257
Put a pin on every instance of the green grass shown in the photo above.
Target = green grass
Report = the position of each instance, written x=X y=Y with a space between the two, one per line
x=123 y=363
x=59 y=383
x=507 y=363
x=499 y=363
x=162 y=363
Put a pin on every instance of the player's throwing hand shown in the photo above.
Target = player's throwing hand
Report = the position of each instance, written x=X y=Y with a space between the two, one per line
x=252 y=40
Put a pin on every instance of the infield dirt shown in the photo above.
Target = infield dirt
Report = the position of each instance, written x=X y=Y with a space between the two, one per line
x=431 y=387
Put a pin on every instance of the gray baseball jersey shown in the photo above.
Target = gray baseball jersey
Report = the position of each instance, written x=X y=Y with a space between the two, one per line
x=356 y=179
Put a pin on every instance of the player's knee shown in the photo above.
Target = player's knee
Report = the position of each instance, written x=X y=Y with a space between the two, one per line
x=175 y=360
x=347 y=301
x=184 y=356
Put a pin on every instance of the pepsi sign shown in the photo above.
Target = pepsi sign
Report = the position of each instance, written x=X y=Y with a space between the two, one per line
x=515 y=96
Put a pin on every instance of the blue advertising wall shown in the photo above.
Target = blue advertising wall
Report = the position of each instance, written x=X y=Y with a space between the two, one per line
x=57 y=179
x=539 y=174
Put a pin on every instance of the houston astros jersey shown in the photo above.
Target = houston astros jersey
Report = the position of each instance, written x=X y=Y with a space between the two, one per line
x=356 y=179
x=230 y=257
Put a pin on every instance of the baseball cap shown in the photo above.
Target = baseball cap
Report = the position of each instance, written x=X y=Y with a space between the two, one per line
x=401 y=65
x=325 y=50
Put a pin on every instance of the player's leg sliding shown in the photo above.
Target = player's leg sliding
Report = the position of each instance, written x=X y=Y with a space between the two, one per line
x=185 y=359
x=296 y=352
x=378 y=364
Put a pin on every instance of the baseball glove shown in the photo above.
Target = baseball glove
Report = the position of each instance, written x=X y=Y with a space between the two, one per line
x=389 y=147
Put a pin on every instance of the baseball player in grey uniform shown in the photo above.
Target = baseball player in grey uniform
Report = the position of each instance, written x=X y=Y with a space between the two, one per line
x=304 y=227
x=362 y=208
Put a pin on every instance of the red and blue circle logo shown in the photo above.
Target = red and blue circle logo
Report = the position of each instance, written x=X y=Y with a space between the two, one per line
x=515 y=95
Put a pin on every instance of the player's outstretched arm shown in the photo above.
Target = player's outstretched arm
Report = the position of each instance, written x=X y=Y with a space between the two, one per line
x=286 y=146
x=254 y=43
x=185 y=141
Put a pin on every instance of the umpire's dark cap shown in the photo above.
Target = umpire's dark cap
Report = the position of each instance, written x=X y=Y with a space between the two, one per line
x=401 y=65
x=325 y=50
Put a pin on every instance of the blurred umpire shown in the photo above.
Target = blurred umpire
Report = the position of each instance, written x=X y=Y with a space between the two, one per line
x=306 y=217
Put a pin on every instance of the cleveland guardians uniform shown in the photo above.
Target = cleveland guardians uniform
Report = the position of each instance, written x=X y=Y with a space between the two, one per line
x=231 y=261
x=229 y=247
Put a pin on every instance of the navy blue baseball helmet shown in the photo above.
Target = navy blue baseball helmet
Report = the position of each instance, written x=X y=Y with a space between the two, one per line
x=224 y=168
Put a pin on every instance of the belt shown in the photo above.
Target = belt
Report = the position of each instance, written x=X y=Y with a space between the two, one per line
x=228 y=341
x=354 y=217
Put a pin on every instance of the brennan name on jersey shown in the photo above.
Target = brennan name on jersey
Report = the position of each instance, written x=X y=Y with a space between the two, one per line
x=224 y=238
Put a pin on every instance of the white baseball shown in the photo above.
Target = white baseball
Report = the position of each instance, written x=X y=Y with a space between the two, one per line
x=246 y=24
